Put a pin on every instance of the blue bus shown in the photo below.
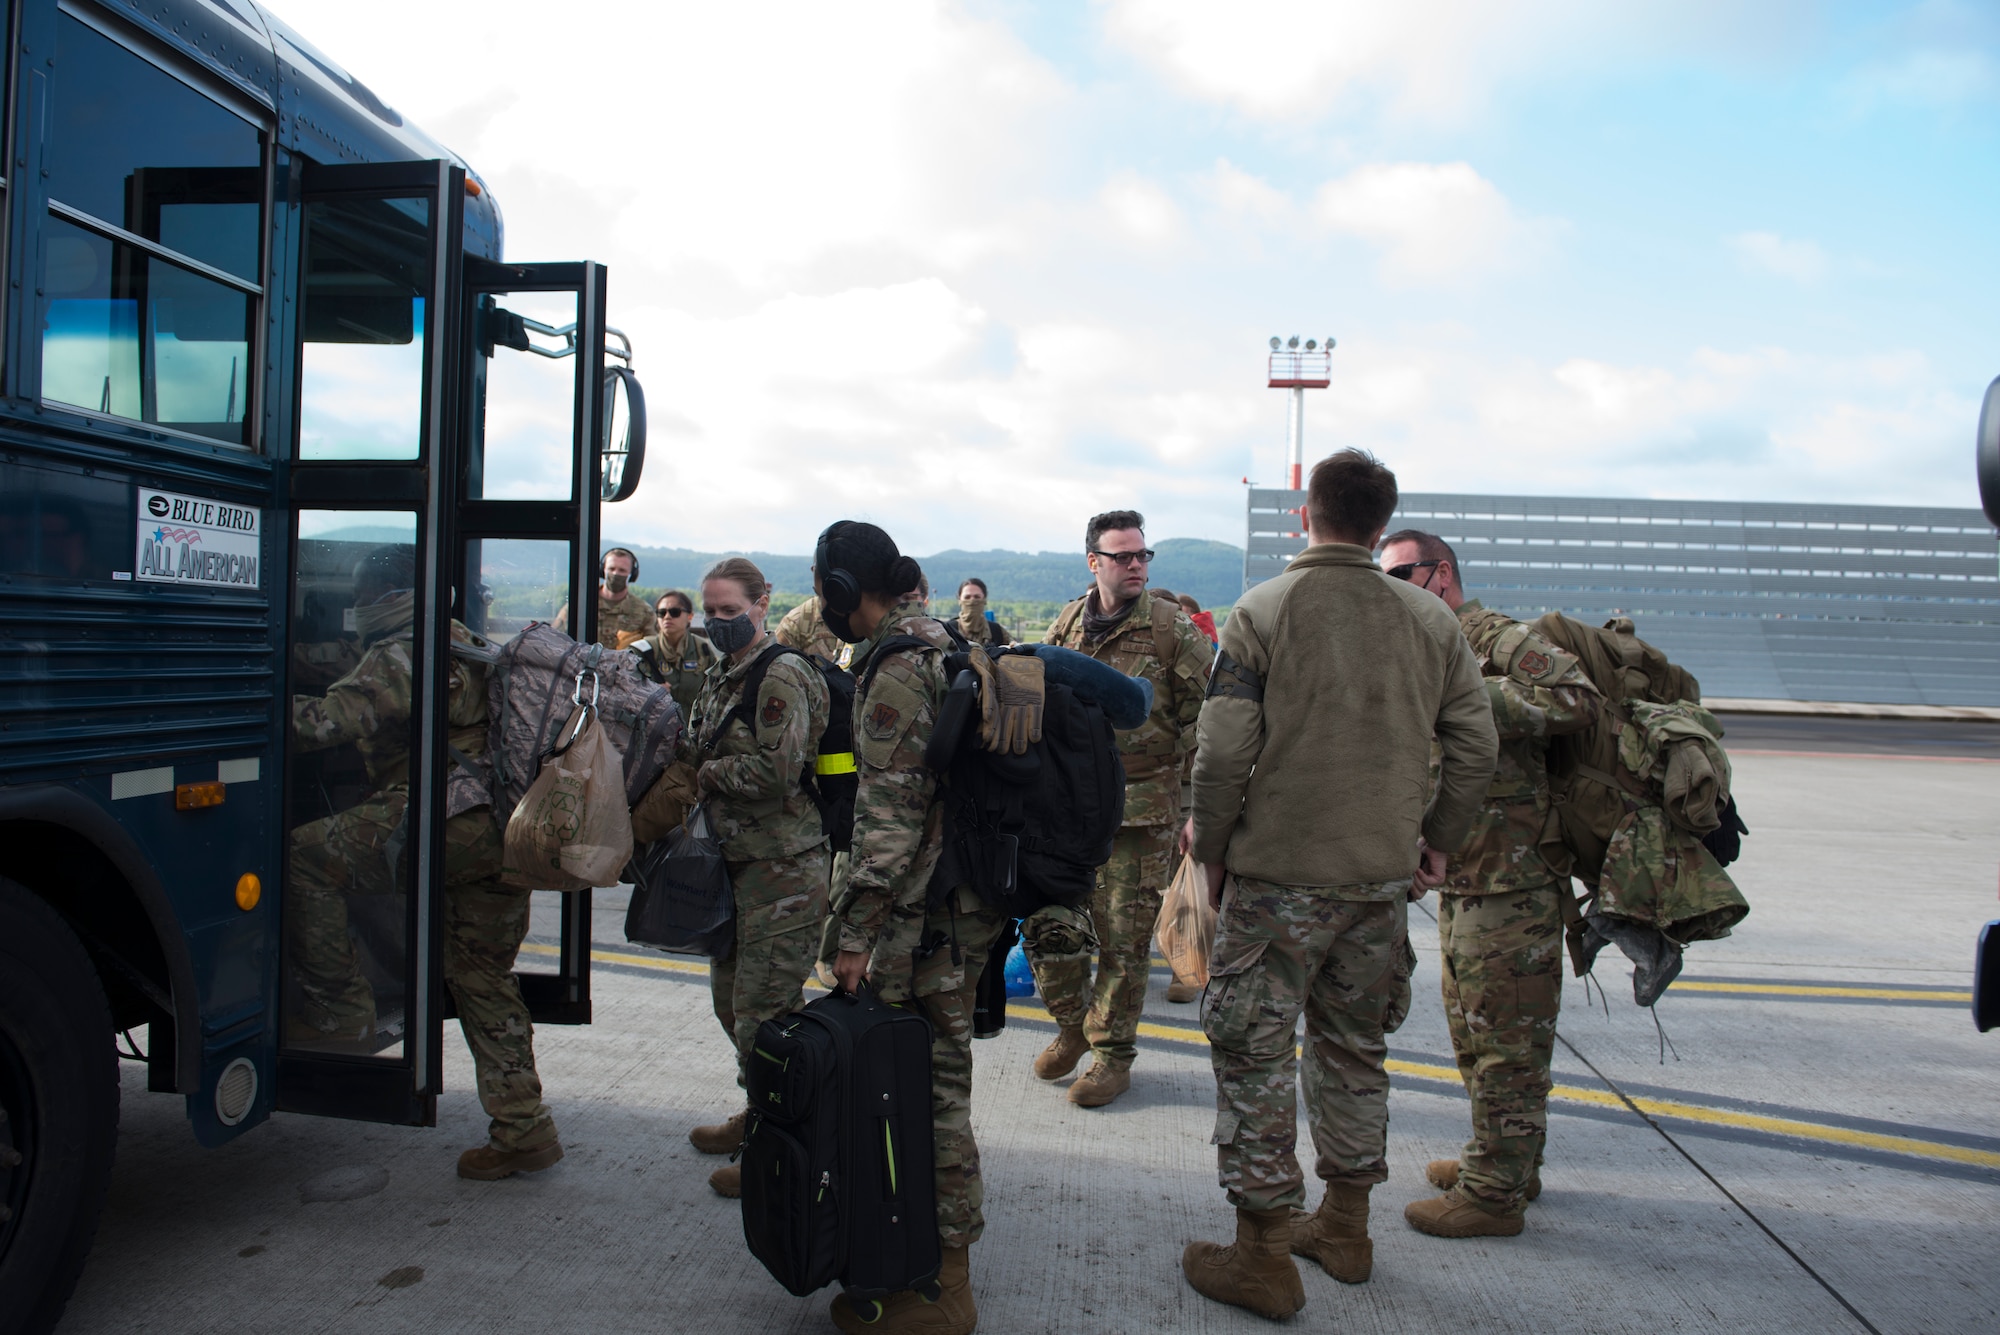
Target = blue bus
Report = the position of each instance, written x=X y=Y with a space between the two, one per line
x=256 y=325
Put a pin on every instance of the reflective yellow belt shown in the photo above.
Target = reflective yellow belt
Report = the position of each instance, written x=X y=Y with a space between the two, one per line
x=834 y=762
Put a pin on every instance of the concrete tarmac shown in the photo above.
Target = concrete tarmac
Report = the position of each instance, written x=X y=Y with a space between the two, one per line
x=1818 y=1151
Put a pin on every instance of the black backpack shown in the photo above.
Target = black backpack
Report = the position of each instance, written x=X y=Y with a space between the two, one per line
x=1030 y=830
x=833 y=782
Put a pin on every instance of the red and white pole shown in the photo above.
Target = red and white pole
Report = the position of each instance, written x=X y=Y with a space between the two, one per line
x=1295 y=439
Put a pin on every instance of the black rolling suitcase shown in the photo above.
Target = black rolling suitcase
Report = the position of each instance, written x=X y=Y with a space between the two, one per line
x=837 y=1162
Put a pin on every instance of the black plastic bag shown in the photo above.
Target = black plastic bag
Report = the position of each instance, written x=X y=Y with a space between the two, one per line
x=681 y=897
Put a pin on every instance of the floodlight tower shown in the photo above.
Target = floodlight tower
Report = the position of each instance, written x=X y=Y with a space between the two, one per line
x=1299 y=370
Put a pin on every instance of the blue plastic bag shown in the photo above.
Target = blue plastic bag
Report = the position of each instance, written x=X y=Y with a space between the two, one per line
x=1020 y=978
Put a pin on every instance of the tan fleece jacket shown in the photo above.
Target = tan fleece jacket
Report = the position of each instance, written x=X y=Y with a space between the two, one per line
x=1313 y=756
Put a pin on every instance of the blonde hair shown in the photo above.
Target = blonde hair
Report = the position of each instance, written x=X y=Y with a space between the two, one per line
x=742 y=571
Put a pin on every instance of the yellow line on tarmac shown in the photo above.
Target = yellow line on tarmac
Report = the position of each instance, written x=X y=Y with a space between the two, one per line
x=1686 y=1112
x=1604 y=1098
x=1808 y=990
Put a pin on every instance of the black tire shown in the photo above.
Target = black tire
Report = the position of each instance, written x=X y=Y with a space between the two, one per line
x=59 y=1097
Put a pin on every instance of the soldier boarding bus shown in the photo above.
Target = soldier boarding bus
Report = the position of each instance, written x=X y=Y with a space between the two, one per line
x=257 y=328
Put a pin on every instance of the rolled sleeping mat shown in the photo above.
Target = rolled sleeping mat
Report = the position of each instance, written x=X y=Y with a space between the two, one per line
x=1126 y=701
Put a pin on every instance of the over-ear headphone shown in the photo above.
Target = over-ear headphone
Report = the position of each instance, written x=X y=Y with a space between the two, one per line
x=618 y=551
x=839 y=591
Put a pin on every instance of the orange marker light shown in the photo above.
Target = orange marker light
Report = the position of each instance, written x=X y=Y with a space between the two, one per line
x=248 y=891
x=472 y=188
x=192 y=796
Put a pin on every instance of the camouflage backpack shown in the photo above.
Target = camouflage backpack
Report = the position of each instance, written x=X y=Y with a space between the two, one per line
x=537 y=680
x=1642 y=801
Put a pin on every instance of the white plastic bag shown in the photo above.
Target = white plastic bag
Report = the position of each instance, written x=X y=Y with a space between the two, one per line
x=572 y=829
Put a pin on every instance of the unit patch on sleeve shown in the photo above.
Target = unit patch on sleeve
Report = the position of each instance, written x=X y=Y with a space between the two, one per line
x=1534 y=663
x=774 y=710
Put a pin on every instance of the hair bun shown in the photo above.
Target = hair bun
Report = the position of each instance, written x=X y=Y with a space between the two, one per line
x=904 y=574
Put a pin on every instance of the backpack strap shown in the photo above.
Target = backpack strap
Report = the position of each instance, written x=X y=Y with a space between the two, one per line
x=895 y=644
x=1165 y=643
x=753 y=682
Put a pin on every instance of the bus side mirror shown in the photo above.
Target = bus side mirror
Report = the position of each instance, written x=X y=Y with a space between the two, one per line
x=1989 y=453
x=623 y=449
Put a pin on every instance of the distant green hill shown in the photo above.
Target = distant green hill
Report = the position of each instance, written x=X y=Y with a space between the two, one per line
x=1211 y=571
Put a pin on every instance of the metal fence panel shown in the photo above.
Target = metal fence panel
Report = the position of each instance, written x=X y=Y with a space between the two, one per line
x=1865 y=603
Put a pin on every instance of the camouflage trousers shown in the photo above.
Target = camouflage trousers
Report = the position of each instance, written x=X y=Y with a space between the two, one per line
x=946 y=992
x=1124 y=909
x=1282 y=951
x=780 y=903
x=1502 y=964
x=348 y=855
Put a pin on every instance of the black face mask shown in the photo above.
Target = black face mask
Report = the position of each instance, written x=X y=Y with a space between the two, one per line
x=840 y=624
x=731 y=635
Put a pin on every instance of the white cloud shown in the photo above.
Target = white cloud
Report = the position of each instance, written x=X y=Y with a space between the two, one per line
x=1436 y=60
x=1795 y=258
x=1433 y=221
x=1141 y=209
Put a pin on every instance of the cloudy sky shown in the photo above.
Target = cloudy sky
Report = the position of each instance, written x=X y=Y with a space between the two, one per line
x=976 y=270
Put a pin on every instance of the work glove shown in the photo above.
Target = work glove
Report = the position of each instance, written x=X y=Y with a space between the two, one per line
x=1011 y=694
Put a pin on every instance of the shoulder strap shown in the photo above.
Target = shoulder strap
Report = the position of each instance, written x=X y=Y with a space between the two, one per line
x=1165 y=642
x=753 y=681
x=895 y=644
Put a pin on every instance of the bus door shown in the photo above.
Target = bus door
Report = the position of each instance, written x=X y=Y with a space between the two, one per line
x=373 y=515
x=529 y=487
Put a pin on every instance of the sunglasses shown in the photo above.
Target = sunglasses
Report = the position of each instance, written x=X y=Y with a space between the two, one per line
x=1143 y=558
x=1404 y=572
x=674 y=611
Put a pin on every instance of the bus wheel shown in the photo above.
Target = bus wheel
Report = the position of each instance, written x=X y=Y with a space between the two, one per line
x=58 y=1109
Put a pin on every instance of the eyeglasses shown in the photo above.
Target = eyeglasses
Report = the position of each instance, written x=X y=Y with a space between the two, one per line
x=1404 y=572
x=1143 y=558
x=674 y=611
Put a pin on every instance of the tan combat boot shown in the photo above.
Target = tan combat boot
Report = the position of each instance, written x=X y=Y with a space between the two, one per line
x=1177 y=991
x=1443 y=1174
x=1453 y=1215
x=723 y=1138
x=1062 y=1054
x=727 y=1180
x=486 y=1164
x=1337 y=1236
x=1256 y=1271
x=952 y=1312
x=1099 y=1085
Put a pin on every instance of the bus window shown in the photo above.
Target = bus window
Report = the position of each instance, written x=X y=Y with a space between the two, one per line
x=133 y=146
x=346 y=906
x=133 y=335
x=527 y=374
x=151 y=266
x=363 y=325
x=512 y=581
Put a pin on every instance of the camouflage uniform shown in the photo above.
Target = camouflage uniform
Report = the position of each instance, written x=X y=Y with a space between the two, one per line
x=631 y=614
x=363 y=851
x=1500 y=924
x=769 y=829
x=803 y=630
x=923 y=949
x=682 y=671
x=1126 y=903
x=1329 y=952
